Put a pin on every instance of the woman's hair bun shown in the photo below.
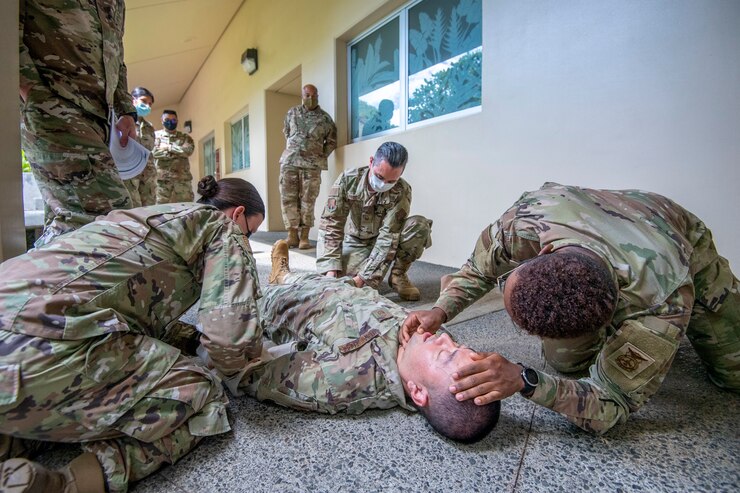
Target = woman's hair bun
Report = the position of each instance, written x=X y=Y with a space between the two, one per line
x=207 y=187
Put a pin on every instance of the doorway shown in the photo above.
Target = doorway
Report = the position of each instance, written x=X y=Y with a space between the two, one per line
x=279 y=98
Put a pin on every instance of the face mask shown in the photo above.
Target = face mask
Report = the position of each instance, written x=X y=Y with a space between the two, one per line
x=379 y=185
x=142 y=109
x=310 y=103
x=170 y=124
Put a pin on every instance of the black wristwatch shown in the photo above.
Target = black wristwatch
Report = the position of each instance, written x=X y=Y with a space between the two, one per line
x=531 y=380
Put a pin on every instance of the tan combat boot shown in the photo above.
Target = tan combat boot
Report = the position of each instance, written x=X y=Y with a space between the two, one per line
x=292 y=238
x=82 y=475
x=304 y=245
x=280 y=265
x=401 y=284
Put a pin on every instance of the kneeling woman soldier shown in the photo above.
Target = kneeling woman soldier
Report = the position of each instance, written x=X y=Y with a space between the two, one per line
x=82 y=322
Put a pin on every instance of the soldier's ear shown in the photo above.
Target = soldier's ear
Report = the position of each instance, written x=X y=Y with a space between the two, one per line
x=418 y=394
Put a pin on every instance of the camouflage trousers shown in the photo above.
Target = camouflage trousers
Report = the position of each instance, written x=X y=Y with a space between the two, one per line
x=79 y=392
x=713 y=329
x=76 y=185
x=143 y=188
x=174 y=183
x=299 y=188
x=416 y=236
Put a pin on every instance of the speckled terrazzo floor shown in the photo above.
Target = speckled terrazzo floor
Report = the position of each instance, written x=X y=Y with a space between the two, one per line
x=686 y=439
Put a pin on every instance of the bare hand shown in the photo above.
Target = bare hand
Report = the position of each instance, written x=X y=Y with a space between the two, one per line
x=359 y=282
x=127 y=126
x=332 y=273
x=421 y=321
x=491 y=378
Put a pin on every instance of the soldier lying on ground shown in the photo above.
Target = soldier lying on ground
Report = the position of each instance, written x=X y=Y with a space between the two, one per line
x=343 y=355
x=610 y=279
x=82 y=323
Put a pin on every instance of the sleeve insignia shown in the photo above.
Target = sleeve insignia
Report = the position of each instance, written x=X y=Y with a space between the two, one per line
x=331 y=205
x=630 y=360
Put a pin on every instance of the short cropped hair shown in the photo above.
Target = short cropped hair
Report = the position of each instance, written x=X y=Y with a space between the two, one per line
x=393 y=153
x=462 y=421
x=563 y=295
x=169 y=112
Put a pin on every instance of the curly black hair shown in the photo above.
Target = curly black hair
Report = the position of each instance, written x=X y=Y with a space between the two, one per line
x=563 y=295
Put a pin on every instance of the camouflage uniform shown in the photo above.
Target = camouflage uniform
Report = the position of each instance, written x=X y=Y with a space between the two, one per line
x=174 y=180
x=378 y=232
x=72 y=77
x=81 y=326
x=143 y=188
x=311 y=136
x=671 y=282
x=344 y=341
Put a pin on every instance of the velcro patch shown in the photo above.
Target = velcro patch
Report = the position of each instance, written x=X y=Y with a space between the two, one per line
x=359 y=342
x=630 y=360
x=382 y=314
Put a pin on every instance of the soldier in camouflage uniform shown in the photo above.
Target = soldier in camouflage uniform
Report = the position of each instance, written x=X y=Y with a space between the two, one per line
x=661 y=277
x=376 y=200
x=82 y=321
x=311 y=137
x=338 y=351
x=72 y=78
x=143 y=188
x=172 y=149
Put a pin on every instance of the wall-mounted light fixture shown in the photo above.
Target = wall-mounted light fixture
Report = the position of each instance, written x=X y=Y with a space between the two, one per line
x=249 y=60
x=188 y=126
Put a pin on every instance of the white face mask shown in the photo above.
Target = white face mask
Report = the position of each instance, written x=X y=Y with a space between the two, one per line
x=379 y=185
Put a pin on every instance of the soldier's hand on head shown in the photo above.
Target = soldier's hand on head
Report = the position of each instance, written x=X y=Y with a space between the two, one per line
x=127 y=126
x=421 y=321
x=490 y=378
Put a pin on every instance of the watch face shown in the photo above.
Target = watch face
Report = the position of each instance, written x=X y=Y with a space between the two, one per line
x=531 y=377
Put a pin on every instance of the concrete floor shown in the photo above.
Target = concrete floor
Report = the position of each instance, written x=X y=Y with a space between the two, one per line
x=686 y=439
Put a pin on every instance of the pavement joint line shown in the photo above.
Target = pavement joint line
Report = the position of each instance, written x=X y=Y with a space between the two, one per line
x=524 y=450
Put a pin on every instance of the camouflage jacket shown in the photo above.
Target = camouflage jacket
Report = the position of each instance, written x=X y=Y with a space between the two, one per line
x=71 y=60
x=138 y=271
x=651 y=244
x=344 y=343
x=311 y=137
x=145 y=133
x=373 y=218
x=172 y=149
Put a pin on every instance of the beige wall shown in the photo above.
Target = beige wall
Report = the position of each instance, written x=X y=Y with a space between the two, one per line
x=12 y=230
x=610 y=94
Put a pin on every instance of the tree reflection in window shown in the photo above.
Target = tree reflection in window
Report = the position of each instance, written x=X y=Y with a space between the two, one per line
x=442 y=66
x=445 y=55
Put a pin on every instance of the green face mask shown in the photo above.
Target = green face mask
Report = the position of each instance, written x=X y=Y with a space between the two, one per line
x=310 y=103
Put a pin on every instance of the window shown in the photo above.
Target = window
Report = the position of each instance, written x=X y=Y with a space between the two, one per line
x=240 y=144
x=209 y=156
x=437 y=45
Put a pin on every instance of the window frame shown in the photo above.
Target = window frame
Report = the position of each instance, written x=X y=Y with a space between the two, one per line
x=241 y=116
x=209 y=137
x=402 y=14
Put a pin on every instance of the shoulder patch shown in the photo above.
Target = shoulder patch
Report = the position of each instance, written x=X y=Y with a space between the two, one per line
x=331 y=204
x=630 y=360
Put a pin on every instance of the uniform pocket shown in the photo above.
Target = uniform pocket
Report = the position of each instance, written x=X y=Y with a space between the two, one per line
x=635 y=355
x=10 y=384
